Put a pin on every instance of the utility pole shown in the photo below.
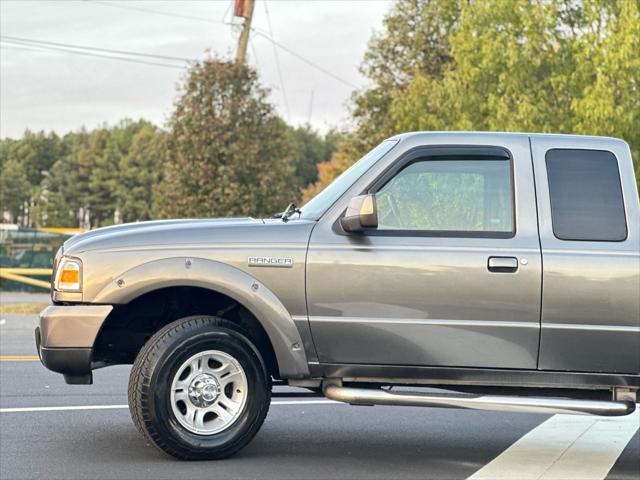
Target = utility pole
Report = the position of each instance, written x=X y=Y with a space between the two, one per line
x=244 y=9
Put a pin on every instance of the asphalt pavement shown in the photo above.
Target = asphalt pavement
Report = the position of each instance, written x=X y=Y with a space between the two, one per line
x=300 y=439
x=7 y=298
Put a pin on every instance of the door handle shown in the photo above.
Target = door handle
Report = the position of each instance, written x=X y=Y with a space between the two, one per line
x=502 y=264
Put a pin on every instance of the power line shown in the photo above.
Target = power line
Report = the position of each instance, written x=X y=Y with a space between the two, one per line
x=31 y=41
x=24 y=48
x=226 y=12
x=275 y=54
x=88 y=54
x=303 y=59
x=157 y=12
x=255 y=53
x=254 y=29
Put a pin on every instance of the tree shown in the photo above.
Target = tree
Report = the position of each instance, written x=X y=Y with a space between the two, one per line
x=608 y=72
x=310 y=150
x=559 y=67
x=502 y=65
x=345 y=151
x=230 y=154
x=414 y=40
x=24 y=163
x=103 y=176
x=37 y=152
x=106 y=149
x=64 y=192
x=140 y=170
x=15 y=190
x=511 y=64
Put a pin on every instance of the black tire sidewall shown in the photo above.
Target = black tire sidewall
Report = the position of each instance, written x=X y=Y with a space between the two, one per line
x=160 y=413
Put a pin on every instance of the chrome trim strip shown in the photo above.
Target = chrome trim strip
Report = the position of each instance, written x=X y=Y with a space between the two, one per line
x=426 y=321
x=364 y=396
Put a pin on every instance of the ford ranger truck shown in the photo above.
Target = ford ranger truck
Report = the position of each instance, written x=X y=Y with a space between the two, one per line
x=500 y=270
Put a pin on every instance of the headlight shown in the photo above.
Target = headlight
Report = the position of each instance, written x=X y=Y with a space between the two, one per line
x=69 y=275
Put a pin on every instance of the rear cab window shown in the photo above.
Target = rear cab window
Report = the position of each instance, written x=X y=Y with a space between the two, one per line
x=586 y=195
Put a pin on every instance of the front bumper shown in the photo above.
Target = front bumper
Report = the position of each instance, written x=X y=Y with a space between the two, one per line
x=65 y=338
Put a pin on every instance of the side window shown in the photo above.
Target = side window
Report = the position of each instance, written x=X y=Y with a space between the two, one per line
x=466 y=197
x=586 y=195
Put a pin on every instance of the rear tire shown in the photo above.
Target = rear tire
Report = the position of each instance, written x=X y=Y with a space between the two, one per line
x=199 y=389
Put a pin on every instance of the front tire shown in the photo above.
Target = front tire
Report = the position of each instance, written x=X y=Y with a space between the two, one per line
x=199 y=389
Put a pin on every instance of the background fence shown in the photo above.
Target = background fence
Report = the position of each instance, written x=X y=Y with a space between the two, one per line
x=26 y=256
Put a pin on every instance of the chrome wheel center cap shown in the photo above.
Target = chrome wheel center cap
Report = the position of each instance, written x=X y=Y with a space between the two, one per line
x=204 y=390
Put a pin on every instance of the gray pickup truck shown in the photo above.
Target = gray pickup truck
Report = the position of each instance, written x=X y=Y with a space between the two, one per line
x=502 y=271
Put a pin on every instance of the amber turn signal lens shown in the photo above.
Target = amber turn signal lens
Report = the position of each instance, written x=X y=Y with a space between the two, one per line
x=70 y=276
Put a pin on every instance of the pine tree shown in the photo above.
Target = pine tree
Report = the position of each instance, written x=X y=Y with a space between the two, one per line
x=230 y=154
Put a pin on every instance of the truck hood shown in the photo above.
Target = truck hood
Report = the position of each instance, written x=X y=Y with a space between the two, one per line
x=185 y=232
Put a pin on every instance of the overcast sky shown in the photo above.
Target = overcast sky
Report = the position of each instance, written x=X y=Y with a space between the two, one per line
x=58 y=91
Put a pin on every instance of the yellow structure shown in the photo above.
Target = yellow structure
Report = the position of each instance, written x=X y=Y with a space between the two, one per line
x=19 y=275
x=64 y=231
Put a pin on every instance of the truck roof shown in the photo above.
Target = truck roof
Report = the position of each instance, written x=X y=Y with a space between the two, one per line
x=498 y=135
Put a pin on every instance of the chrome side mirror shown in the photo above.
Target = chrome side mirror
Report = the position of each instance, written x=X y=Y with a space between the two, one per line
x=361 y=213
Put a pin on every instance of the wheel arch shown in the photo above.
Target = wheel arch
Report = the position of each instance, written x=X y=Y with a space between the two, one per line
x=224 y=281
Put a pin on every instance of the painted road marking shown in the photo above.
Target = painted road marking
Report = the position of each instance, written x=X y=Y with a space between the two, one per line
x=114 y=407
x=61 y=409
x=564 y=447
x=19 y=358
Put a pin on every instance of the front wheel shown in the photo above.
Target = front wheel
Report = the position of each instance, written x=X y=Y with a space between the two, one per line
x=199 y=389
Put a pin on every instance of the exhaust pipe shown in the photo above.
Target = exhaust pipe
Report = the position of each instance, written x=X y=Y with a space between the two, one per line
x=366 y=396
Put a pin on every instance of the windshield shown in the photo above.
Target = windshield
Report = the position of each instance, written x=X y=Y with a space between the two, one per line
x=327 y=197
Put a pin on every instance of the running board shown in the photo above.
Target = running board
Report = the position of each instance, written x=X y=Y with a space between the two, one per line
x=370 y=396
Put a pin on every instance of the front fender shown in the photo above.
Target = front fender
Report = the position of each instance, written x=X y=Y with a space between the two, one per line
x=242 y=287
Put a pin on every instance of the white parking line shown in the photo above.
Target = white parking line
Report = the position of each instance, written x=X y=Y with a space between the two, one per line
x=304 y=402
x=565 y=447
x=114 y=407
x=60 y=409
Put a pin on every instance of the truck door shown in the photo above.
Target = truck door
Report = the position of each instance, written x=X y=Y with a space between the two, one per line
x=590 y=238
x=451 y=276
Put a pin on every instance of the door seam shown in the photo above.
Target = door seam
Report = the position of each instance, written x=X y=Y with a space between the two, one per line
x=535 y=194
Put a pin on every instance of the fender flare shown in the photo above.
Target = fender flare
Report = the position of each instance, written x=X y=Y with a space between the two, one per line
x=223 y=278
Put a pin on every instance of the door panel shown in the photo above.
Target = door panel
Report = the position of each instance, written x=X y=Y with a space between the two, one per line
x=591 y=305
x=423 y=305
x=401 y=298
